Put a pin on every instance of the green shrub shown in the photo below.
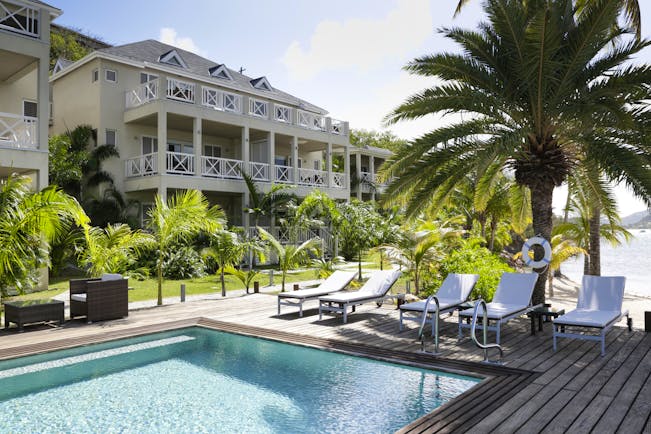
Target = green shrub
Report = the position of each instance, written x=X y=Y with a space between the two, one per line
x=473 y=259
x=183 y=263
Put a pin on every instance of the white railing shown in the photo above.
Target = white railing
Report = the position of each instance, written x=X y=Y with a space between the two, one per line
x=312 y=177
x=142 y=166
x=221 y=167
x=258 y=107
x=224 y=101
x=18 y=131
x=178 y=162
x=259 y=171
x=282 y=113
x=310 y=120
x=367 y=177
x=338 y=180
x=338 y=127
x=180 y=90
x=142 y=94
x=284 y=174
x=232 y=102
x=19 y=18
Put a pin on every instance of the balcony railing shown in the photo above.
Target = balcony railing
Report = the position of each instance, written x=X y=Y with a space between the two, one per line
x=142 y=94
x=142 y=166
x=19 y=18
x=312 y=177
x=226 y=168
x=310 y=120
x=221 y=167
x=18 y=131
x=284 y=174
x=180 y=90
x=183 y=91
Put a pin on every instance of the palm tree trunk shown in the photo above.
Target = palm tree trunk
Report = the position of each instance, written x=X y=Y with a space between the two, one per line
x=491 y=242
x=359 y=277
x=223 y=283
x=586 y=264
x=159 y=275
x=550 y=276
x=595 y=242
x=541 y=208
x=381 y=260
x=283 y=281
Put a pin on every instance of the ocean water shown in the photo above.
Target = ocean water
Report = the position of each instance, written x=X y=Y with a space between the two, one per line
x=203 y=381
x=632 y=260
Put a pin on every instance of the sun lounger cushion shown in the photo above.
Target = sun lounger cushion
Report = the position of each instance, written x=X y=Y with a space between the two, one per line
x=515 y=289
x=78 y=297
x=419 y=306
x=497 y=311
x=588 y=318
x=111 y=276
x=375 y=287
x=602 y=293
x=335 y=282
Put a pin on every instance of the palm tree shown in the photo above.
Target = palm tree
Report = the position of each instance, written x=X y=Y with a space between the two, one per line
x=265 y=204
x=113 y=249
x=631 y=12
x=184 y=215
x=228 y=250
x=246 y=277
x=290 y=256
x=28 y=222
x=535 y=81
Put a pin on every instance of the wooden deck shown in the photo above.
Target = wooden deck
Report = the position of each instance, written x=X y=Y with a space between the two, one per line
x=538 y=390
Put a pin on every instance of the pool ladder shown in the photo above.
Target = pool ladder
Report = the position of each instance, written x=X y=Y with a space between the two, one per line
x=484 y=346
x=423 y=321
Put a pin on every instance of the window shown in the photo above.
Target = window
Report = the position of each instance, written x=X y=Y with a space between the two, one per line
x=145 y=77
x=214 y=151
x=149 y=145
x=317 y=164
x=283 y=113
x=182 y=148
x=110 y=75
x=258 y=108
x=231 y=102
x=95 y=75
x=30 y=109
x=111 y=137
x=261 y=83
x=172 y=58
x=220 y=71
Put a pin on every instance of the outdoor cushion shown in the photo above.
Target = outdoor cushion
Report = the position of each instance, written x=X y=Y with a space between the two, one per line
x=335 y=282
x=496 y=310
x=419 y=306
x=78 y=297
x=111 y=276
x=588 y=318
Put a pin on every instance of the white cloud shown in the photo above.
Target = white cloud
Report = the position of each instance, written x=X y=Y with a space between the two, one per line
x=170 y=36
x=361 y=44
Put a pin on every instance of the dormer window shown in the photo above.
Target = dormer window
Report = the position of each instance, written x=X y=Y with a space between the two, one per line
x=261 y=83
x=220 y=71
x=172 y=58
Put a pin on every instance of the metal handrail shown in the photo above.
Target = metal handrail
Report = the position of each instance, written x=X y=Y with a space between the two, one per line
x=435 y=318
x=485 y=346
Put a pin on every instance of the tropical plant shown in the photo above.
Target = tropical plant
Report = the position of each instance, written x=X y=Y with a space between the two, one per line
x=422 y=244
x=28 y=222
x=183 y=262
x=358 y=229
x=68 y=156
x=325 y=267
x=112 y=207
x=384 y=139
x=265 y=204
x=246 y=277
x=227 y=250
x=113 y=249
x=178 y=219
x=290 y=256
x=534 y=81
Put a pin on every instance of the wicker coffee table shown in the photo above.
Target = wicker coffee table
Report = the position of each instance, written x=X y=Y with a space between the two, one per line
x=32 y=311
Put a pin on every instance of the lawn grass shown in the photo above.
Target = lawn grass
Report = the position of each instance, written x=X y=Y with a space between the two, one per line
x=148 y=289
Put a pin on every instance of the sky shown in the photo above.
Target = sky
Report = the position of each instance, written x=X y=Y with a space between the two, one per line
x=345 y=56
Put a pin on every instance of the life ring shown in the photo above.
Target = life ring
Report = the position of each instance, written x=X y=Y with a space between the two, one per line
x=528 y=260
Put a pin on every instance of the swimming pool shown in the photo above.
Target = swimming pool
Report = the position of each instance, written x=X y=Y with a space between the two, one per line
x=200 y=380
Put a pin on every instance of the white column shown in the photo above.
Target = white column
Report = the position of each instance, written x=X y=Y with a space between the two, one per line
x=347 y=167
x=197 y=145
x=371 y=169
x=329 y=163
x=162 y=143
x=245 y=215
x=358 y=174
x=295 y=159
x=246 y=148
x=272 y=156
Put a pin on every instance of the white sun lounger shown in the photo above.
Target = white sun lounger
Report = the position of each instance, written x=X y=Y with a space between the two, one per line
x=454 y=290
x=512 y=299
x=599 y=307
x=337 y=281
x=374 y=290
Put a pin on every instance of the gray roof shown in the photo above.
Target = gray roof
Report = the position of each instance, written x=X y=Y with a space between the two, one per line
x=150 y=51
x=56 y=11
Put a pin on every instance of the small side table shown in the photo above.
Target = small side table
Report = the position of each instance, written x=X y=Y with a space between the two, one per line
x=31 y=311
x=545 y=311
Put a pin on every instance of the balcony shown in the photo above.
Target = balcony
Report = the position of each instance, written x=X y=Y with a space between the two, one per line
x=19 y=132
x=19 y=18
x=178 y=163
x=225 y=101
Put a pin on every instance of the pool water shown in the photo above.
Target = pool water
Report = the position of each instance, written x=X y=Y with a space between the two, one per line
x=197 y=380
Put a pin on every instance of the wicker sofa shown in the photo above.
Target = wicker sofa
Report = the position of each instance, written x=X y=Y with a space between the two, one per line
x=99 y=299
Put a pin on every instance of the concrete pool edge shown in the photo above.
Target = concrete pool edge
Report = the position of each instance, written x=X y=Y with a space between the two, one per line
x=460 y=414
